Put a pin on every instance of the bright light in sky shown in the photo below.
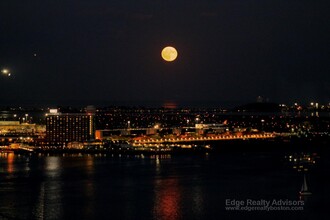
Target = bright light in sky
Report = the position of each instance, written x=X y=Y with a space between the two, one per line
x=169 y=53
x=5 y=72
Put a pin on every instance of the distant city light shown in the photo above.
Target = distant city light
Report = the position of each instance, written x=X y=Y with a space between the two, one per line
x=53 y=111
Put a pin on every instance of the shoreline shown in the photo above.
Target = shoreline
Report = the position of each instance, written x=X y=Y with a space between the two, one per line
x=215 y=147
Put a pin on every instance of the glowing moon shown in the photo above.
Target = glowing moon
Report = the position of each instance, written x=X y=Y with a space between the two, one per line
x=169 y=54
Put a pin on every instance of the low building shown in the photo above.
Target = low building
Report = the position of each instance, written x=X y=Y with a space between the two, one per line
x=20 y=128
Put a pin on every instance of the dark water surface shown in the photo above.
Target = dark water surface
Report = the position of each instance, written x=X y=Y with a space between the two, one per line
x=157 y=187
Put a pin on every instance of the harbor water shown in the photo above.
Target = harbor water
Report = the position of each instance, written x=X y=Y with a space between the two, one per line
x=192 y=186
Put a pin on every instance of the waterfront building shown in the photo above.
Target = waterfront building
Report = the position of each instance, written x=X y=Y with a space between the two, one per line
x=63 y=128
x=16 y=132
x=15 y=127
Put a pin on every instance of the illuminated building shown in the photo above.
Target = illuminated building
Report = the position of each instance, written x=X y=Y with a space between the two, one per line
x=16 y=132
x=62 y=128
x=15 y=127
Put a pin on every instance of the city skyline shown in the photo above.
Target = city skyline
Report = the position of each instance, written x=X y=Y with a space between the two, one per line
x=106 y=53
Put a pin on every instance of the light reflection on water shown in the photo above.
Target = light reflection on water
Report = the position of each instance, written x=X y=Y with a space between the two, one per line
x=167 y=199
x=140 y=187
x=89 y=188
x=10 y=160
x=49 y=196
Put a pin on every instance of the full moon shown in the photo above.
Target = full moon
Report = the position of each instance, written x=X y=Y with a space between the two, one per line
x=169 y=54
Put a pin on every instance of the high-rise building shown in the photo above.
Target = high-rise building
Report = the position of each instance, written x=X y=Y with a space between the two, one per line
x=62 y=128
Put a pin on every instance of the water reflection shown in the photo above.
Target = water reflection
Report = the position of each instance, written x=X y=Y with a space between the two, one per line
x=158 y=159
x=149 y=187
x=88 y=187
x=49 y=203
x=39 y=210
x=167 y=199
x=198 y=200
x=10 y=162
x=53 y=166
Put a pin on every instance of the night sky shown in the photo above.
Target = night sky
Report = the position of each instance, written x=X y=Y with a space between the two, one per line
x=108 y=51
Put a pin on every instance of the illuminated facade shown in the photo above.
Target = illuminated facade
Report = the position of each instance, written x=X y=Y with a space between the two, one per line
x=63 y=128
x=15 y=127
